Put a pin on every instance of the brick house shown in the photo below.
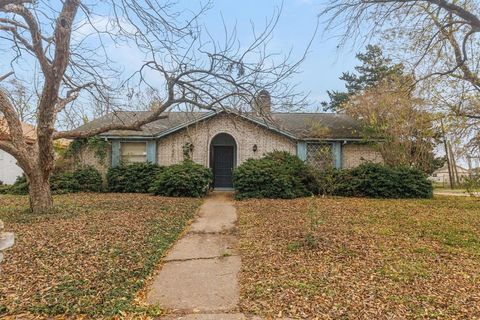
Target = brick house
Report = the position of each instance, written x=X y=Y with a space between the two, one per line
x=224 y=139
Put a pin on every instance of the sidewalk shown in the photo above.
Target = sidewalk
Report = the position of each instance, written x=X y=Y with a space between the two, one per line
x=199 y=275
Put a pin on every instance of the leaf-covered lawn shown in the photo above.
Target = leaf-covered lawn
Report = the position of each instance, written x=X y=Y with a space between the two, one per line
x=368 y=259
x=92 y=256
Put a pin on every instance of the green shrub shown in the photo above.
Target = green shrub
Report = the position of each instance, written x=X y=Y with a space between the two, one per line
x=186 y=179
x=64 y=183
x=413 y=183
x=472 y=184
x=135 y=177
x=380 y=181
x=277 y=175
x=84 y=179
x=19 y=187
x=88 y=179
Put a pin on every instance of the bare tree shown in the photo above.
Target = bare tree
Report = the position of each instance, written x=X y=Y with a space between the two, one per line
x=195 y=68
x=438 y=38
x=393 y=115
x=22 y=99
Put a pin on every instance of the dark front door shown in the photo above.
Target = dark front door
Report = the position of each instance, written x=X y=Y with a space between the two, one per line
x=223 y=166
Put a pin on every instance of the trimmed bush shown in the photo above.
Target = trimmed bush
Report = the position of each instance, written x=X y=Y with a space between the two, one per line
x=375 y=181
x=89 y=179
x=276 y=175
x=186 y=179
x=135 y=177
x=64 y=183
x=85 y=179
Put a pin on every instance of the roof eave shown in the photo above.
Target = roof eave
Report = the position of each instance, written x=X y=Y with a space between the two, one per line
x=132 y=137
x=339 y=139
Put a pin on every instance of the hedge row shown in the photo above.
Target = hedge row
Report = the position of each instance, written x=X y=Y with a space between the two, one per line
x=85 y=179
x=186 y=179
x=277 y=175
x=375 y=181
x=282 y=175
x=135 y=177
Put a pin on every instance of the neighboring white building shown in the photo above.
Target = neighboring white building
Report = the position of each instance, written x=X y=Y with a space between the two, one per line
x=9 y=171
x=440 y=176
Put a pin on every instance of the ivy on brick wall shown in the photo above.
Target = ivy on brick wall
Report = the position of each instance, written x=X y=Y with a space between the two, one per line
x=97 y=144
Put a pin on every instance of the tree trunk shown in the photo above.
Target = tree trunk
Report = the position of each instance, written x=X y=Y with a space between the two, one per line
x=40 y=195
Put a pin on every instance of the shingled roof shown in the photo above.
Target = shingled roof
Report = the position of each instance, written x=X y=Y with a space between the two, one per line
x=29 y=132
x=308 y=126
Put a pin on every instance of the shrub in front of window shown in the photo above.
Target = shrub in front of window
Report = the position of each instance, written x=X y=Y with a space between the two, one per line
x=276 y=175
x=336 y=182
x=186 y=179
x=133 y=177
x=84 y=179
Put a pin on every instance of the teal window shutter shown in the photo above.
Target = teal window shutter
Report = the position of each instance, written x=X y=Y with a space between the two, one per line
x=337 y=154
x=115 y=153
x=152 y=151
x=302 y=150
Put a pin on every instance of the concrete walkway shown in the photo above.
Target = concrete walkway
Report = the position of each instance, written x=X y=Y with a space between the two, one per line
x=199 y=277
x=455 y=194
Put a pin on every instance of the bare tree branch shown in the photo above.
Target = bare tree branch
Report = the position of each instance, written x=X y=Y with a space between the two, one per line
x=71 y=42
x=5 y=76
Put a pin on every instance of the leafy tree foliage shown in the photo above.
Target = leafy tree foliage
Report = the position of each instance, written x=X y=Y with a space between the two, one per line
x=374 y=68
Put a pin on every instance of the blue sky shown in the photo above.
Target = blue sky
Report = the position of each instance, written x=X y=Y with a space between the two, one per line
x=318 y=73
x=324 y=63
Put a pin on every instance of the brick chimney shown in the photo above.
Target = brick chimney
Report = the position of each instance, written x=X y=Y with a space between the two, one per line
x=262 y=103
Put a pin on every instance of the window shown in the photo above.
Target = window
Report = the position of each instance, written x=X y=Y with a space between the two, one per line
x=133 y=152
x=320 y=155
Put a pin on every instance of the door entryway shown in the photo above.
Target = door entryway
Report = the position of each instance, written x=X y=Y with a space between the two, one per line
x=223 y=166
x=222 y=160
